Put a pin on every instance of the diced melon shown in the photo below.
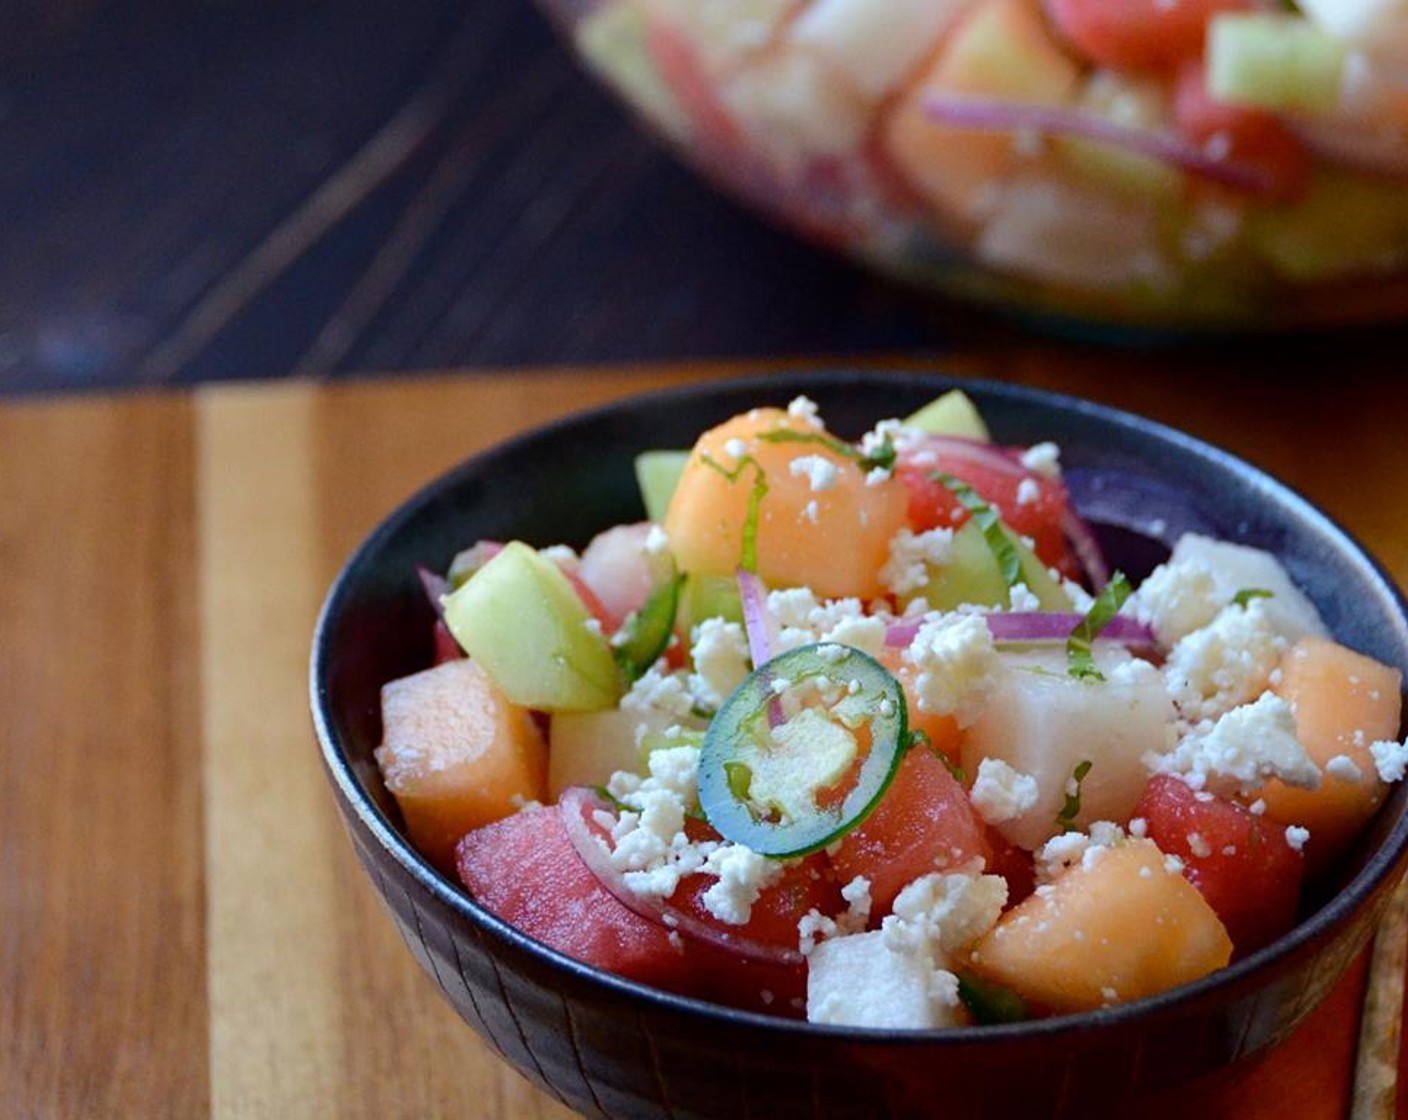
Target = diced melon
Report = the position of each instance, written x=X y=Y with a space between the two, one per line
x=875 y=44
x=557 y=658
x=621 y=570
x=999 y=49
x=1043 y=722
x=586 y=748
x=657 y=474
x=833 y=537
x=1343 y=702
x=1273 y=60
x=1120 y=926
x=950 y=414
x=456 y=754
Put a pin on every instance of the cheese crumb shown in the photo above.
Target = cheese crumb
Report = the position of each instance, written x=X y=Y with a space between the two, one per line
x=1224 y=664
x=1296 y=837
x=913 y=557
x=1044 y=459
x=1241 y=750
x=1001 y=793
x=1344 y=768
x=820 y=472
x=1390 y=759
x=958 y=666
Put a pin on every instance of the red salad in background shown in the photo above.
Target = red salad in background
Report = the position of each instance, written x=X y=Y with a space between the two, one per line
x=867 y=733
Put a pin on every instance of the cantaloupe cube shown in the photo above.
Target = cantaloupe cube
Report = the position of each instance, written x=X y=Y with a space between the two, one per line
x=1122 y=924
x=456 y=755
x=1000 y=49
x=1343 y=702
x=819 y=524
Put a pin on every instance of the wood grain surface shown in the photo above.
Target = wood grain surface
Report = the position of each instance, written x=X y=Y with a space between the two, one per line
x=184 y=931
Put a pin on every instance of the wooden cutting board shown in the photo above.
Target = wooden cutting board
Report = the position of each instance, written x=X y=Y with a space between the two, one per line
x=183 y=929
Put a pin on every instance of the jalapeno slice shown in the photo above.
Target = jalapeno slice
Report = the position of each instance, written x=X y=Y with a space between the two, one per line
x=647 y=632
x=802 y=750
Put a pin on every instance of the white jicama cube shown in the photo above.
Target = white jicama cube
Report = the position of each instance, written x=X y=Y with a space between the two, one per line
x=861 y=981
x=1239 y=567
x=876 y=44
x=1044 y=723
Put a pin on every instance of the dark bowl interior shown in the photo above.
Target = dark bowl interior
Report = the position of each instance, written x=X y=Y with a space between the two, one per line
x=612 y=1048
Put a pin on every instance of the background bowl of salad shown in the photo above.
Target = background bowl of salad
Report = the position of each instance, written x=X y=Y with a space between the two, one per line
x=609 y=1046
x=1195 y=167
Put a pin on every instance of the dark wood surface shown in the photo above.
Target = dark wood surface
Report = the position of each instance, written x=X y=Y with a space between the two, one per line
x=243 y=188
x=199 y=190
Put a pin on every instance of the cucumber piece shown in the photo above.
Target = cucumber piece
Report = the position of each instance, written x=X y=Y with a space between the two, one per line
x=706 y=596
x=950 y=414
x=972 y=576
x=520 y=618
x=657 y=475
x=1273 y=61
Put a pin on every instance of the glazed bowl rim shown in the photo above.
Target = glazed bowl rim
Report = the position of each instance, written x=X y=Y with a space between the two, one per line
x=1248 y=973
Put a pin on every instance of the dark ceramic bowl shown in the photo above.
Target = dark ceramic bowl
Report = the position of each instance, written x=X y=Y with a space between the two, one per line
x=612 y=1048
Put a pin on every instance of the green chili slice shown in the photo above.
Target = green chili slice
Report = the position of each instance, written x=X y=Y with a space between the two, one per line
x=791 y=777
x=991 y=1003
x=1080 y=654
x=646 y=632
x=1009 y=564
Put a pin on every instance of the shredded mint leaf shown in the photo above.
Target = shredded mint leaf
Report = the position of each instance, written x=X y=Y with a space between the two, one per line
x=1065 y=819
x=1247 y=594
x=987 y=520
x=1080 y=657
x=883 y=457
x=748 y=559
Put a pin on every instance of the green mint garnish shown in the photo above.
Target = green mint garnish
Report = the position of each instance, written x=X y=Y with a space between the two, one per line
x=748 y=558
x=987 y=520
x=1247 y=594
x=882 y=458
x=1065 y=819
x=1080 y=657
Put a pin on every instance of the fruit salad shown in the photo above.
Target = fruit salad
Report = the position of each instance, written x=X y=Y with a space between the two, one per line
x=1200 y=164
x=867 y=732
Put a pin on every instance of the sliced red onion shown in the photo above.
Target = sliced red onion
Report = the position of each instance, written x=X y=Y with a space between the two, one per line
x=1035 y=626
x=576 y=806
x=436 y=588
x=1086 y=547
x=1000 y=459
x=755 y=617
x=1010 y=116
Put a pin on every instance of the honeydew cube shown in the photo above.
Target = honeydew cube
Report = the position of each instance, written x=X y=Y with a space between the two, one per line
x=1045 y=723
x=1273 y=60
x=950 y=414
x=521 y=619
x=612 y=41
